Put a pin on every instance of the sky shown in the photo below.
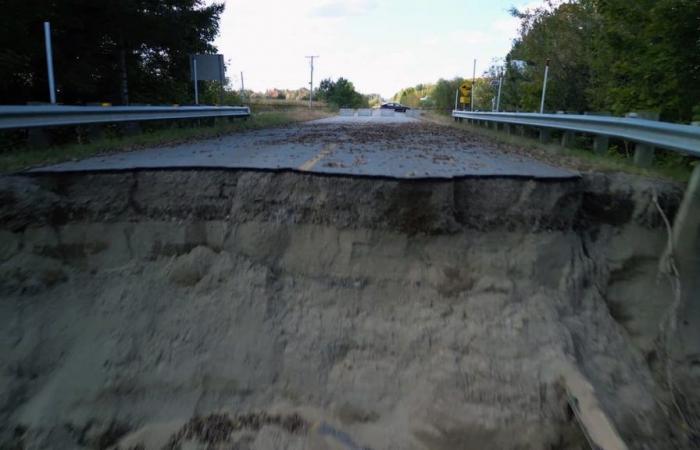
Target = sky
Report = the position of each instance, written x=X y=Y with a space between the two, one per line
x=381 y=46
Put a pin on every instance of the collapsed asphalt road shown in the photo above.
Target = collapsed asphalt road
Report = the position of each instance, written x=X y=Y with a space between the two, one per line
x=394 y=147
x=287 y=310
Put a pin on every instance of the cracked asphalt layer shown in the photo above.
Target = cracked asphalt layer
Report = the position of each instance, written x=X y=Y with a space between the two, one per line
x=396 y=147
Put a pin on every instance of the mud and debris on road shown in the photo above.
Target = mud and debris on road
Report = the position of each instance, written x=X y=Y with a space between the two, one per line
x=404 y=150
x=282 y=309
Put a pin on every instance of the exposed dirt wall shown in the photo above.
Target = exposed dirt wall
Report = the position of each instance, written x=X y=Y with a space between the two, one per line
x=431 y=314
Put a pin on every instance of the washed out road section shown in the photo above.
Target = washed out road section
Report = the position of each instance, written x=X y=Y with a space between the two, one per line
x=393 y=147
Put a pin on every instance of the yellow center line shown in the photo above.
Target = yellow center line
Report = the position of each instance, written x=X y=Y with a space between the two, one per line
x=325 y=151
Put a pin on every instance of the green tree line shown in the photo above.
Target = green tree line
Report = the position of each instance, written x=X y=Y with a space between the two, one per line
x=341 y=94
x=118 y=51
x=611 y=56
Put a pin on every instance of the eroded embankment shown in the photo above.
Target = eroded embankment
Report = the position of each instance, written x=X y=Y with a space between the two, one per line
x=377 y=313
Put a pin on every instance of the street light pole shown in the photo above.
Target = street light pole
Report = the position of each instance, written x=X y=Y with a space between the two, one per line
x=311 y=84
x=49 y=62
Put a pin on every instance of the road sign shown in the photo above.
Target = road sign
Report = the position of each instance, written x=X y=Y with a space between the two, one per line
x=465 y=88
x=208 y=67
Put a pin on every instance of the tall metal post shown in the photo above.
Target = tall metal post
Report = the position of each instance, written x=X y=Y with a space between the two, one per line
x=311 y=84
x=196 y=88
x=456 y=99
x=49 y=62
x=222 y=79
x=498 y=98
x=242 y=86
x=544 y=87
x=473 y=84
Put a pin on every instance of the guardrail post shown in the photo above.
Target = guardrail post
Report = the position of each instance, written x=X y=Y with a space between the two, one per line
x=220 y=121
x=131 y=128
x=38 y=138
x=601 y=144
x=643 y=153
x=545 y=135
x=94 y=132
x=567 y=138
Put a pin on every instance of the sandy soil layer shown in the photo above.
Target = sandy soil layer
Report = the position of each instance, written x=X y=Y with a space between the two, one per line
x=260 y=310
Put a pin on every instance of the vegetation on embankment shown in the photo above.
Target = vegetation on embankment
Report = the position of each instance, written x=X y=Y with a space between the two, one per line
x=117 y=52
x=23 y=157
x=615 y=56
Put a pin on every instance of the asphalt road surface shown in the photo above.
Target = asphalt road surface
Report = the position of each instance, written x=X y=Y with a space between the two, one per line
x=394 y=147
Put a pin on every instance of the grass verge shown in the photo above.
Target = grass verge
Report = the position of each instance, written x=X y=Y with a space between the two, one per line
x=24 y=158
x=577 y=158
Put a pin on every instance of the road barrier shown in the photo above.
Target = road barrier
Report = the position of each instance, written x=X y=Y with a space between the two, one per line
x=387 y=112
x=347 y=112
x=414 y=113
x=12 y=117
x=671 y=136
x=364 y=112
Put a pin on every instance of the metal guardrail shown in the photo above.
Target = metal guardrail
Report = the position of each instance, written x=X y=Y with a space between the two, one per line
x=50 y=115
x=682 y=138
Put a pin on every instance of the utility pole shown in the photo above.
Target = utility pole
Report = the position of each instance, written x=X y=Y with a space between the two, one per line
x=196 y=88
x=311 y=84
x=473 y=84
x=242 y=86
x=500 y=87
x=544 y=87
